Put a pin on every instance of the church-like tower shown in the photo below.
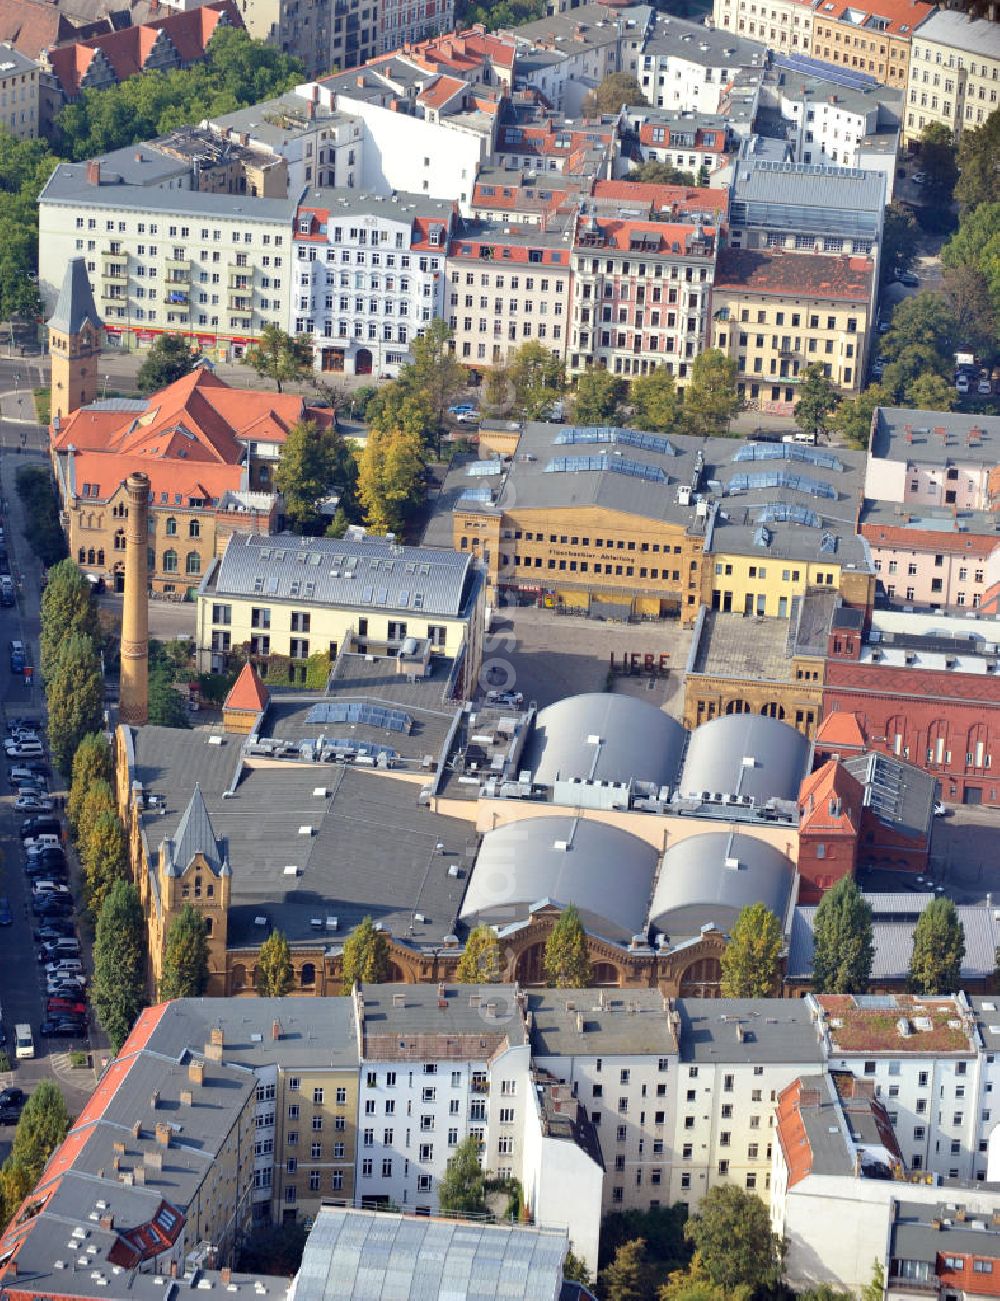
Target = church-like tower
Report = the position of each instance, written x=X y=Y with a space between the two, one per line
x=75 y=337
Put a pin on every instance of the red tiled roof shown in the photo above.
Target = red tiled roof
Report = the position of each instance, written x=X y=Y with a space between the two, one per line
x=646 y=130
x=247 y=693
x=842 y=730
x=807 y=275
x=32 y=27
x=829 y=798
x=663 y=198
x=103 y=473
x=618 y=234
x=127 y=51
x=792 y=1136
x=440 y=91
x=900 y=16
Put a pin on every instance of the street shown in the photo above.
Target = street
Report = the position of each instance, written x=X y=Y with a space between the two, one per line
x=21 y=982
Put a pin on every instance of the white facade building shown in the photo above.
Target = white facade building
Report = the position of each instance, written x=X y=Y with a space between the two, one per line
x=369 y=275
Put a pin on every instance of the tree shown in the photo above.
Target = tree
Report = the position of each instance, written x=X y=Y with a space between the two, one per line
x=751 y=961
x=366 y=956
x=435 y=373
x=281 y=357
x=900 y=236
x=536 y=377
x=938 y=950
x=42 y=1126
x=567 y=961
x=105 y=858
x=274 y=967
x=937 y=161
x=967 y=293
x=922 y=320
x=629 y=1276
x=67 y=607
x=976 y=245
x=574 y=1269
x=693 y=1284
x=75 y=693
x=817 y=398
x=732 y=1235
x=598 y=393
x=661 y=1228
x=842 y=932
x=655 y=400
x=390 y=478
x=616 y=89
x=99 y=799
x=656 y=173
x=929 y=392
x=978 y=152
x=118 y=993
x=462 y=1188
x=480 y=963
x=875 y=1290
x=91 y=763
x=711 y=400
x=912 y=364
x=166 y=707
x=169 y=358
x=185 y=956
x=824 y=1292
x=305 y=473
x=853 y=418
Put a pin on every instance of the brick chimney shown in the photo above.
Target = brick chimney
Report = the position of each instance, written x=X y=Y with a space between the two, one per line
x=94 y=172
x=196 y=1072
x=276 y=1030
x=163 y=1134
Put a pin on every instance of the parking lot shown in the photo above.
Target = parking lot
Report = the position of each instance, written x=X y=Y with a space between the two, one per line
x=22 y=980
x=546 y=656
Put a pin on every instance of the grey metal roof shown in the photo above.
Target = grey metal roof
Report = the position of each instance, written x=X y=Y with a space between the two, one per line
x=606 y=872
x=773 y=1030
x=573 y=1022
x=707 y=880
x=374 y=1256
x=370 y=572
x=401 y=205
x=679 y=38
x=745 y=755
x=194 y=835
x=75 y=304
x=901 y=434
x=949 y=27
x=68 y=185
x=808 y=185
x=634 y=741
x=900 y=795
x=421 y=1012
x=894 y=917
x=315 y=1032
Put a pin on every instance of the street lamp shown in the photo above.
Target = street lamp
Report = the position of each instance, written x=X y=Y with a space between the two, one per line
x=105 y=393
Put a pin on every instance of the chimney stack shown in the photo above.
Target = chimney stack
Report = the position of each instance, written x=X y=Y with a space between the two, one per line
x=276 y=1030
x=196 y=1072
x=94 y=172
x=134 y=689
x=162 y=1134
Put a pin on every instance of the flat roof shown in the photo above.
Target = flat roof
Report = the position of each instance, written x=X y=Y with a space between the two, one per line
x=724 y=648
x=748 y=1030
x=68 y=185
x=710 y=47
x=894 y=1024
x=440 y=1022
x=920 y=437
x=820 y=276
x=950 y=27
x=608 y=1023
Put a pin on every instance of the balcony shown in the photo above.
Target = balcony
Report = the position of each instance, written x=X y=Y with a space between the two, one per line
x=115 y=272
x=111 y=294
x=242 y=280
x=239 y=302
x=177 y=264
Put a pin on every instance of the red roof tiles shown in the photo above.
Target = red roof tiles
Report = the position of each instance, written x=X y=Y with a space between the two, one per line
x=247 y=694
x=841 y=730
x=813 y=275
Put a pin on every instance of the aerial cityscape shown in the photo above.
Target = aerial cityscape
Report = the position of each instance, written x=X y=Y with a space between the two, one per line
x=500 y=575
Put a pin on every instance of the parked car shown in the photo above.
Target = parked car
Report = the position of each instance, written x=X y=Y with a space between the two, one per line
x=461 y=409
x=962 y=383
x=55 y=929
x=63 y=1030
x=41 y=840
x=6 y=916
x=13 y=1097
x=71 y=987
x=34 y=803
x=985 y=386
x=51 y=905
x=10 y=1115
x=40 y=825
x=909 y=279
x=67 y=946
x=66 y=1006
x=468 y=418
x=24 y=750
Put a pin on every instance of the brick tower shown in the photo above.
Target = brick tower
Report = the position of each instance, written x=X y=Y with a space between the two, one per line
x=75 y=335
x=133 y=705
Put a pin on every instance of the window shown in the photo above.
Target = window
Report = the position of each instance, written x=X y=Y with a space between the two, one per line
x=170 y=561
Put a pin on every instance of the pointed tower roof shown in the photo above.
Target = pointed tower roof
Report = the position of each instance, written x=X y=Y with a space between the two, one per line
x=75 y=304
x=841 y=729
x=248 y=692
x=195 y=835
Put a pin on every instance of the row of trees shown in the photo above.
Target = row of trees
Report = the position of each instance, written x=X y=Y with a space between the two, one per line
x=42 y=1126
x=70 y=661
x=843 y=948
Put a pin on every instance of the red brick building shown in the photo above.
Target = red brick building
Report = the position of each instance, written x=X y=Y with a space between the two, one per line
x=830 y=813
x=932 y=701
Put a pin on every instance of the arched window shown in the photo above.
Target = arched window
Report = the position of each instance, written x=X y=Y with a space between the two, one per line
x=119 y=539
x=937 y=743
x=170 y=561
x=194 y=528
x=91 y=557
x=308 y=976
x=895 y=735
x=238 y=979
x=82 y=556
x=100 y=556
x=977 y=755
x=192 y=563
x=171 y=527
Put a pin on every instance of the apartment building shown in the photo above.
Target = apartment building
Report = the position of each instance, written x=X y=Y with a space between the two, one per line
x=776 y=314
x=685 y=65
x=843 y=126
x=212 y=266
x=954 y=73
x=930 y=557
x=920 y=459
x=280 y=597
x=617 y=1053
x=783 y=25
x=872 y=40
x=507 y=286
x=641 y=293
x=369 y=274
x=20 y=93
x=564 y=54
x=692 y=142
x=438 y=1064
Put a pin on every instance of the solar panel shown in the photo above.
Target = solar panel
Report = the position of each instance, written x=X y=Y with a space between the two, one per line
x=824 y=71
x=787 y=452
x=779 y=479
x=360 y=711
x=615 y=464
x=626 y=437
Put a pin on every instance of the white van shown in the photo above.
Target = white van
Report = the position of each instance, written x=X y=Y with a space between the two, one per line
x=24 y=1045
